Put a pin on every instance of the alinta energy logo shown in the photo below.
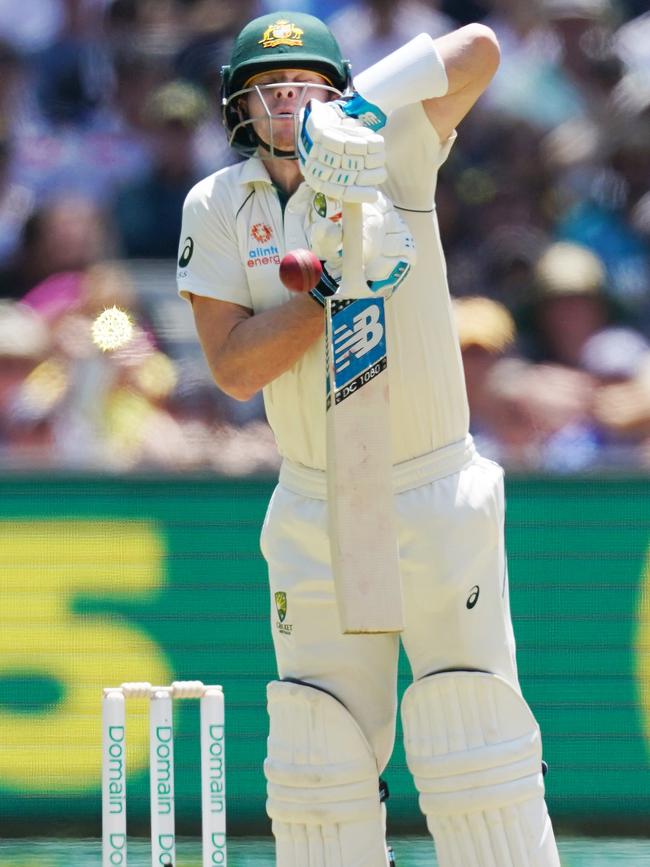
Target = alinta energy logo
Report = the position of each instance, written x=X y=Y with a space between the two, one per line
x=264 y=253
x=261 y=233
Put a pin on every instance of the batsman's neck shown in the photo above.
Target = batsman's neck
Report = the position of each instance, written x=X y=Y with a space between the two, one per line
x=284 y=174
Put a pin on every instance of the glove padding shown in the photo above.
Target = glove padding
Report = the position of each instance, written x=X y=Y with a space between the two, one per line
x=338 y=155
x=388 y=246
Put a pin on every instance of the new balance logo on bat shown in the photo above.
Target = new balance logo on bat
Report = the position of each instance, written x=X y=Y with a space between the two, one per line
x=357 y=338
x=358 y=344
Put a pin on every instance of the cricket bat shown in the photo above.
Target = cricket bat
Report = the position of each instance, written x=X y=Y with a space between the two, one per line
x=361 y=511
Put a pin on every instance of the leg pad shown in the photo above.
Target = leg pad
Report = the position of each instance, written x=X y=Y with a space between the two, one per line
x=322 y=782
x=474 y=749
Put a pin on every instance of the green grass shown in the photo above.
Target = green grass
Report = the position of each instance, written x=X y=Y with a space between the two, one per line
x=256 y=852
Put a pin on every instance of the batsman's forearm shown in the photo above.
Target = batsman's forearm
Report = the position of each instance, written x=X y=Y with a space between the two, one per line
x=262 y=347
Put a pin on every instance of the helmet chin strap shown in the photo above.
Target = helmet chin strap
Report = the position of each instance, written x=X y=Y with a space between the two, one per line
x=270 y=148
x=276 y=152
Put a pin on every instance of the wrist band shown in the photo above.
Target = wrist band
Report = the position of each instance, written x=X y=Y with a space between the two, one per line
x=412 y=73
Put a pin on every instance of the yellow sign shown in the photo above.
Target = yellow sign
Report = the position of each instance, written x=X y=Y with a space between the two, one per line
x=46 y=567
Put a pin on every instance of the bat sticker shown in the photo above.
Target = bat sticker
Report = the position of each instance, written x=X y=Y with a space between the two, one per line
x=358 y=344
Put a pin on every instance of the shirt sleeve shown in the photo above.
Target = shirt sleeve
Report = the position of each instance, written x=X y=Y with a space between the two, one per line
x=414 y=153
x=209 y=260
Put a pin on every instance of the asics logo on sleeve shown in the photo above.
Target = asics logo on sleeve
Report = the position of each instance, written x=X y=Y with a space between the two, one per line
x=472 y=599
x=186 y=252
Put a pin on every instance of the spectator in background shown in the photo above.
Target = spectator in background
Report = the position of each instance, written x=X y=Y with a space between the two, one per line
x=570 y=303
x=530 y=416
x=210 y=27
x=153 y=27
x=501 y=222
x=632 y=39
x=587 y=438
x=368 y=30
x=508 y=252
x=526 y=87
x=607 y=211
x=16 y=204
x=65 y=403
x=557 y=59
x=65 y=235
x=465 y=11
x=70 y=78
x=33 y=25
x=516 y=408
x=147 y=213
x=94 y=155
x=486 y=332
x=135 y=428
x=619 y=361
x=218 y=434
x=18 y=108
x=540 y=416
x=584 y=31
x=624 y=410
x=93 y=83
x=24 y=343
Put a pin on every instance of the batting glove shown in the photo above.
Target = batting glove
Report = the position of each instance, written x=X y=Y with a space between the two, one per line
x=338 y=155
x=388 y=246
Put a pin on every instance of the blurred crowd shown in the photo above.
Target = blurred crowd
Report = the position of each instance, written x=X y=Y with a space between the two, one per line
x=109 y=113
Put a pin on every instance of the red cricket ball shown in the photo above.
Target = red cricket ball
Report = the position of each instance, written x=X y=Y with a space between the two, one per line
x=300 y=270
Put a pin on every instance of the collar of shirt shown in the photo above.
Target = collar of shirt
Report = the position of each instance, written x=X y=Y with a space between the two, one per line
x=254 y=171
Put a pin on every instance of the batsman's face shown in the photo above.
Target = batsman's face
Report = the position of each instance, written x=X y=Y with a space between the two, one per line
x=275 y=99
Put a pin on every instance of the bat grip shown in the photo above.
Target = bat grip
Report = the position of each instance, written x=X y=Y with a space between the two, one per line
x=353 y=279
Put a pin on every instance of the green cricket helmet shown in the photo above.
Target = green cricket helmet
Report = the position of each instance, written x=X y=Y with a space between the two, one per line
x=279 y=40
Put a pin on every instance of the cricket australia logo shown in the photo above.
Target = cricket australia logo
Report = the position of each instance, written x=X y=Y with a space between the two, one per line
x=358 y=344
x=320 y=204
x=323 y=207
x=281 y=607
x=282 y=32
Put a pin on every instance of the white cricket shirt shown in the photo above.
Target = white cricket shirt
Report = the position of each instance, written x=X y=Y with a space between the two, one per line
x=233 y=237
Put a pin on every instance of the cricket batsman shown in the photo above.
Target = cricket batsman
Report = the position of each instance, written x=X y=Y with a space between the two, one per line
x=315 y=137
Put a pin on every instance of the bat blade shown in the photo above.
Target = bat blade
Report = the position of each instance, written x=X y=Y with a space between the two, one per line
x=362 y=523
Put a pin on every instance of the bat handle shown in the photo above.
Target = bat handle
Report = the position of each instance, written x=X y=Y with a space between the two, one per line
x=353 y=279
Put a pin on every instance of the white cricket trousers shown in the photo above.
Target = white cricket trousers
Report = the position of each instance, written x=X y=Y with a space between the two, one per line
x=450 y=512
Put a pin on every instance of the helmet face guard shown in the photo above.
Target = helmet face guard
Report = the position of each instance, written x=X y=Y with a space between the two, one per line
x=250 y=135
x=280 y=40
